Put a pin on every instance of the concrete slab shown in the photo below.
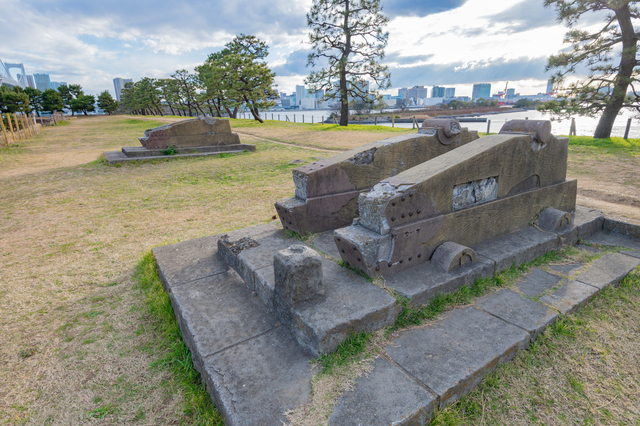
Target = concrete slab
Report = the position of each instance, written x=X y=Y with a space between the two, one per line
x=617 y=240
x=256 y=381
x=519 y=247
x=385 y=396
x=189 y=260
x=324 y=242
x=568 y=270
x=571 y=296
x=610 y=269
x=518 y=310
x=452 y=356
x=350 y=305
x=587 y=221
x=115 y=157
x=423 y=282
x=217 y=312
x=537 y=282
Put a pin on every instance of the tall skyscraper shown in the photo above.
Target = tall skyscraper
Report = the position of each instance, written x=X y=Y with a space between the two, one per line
x=43 y=82
x=418 y=92
x=301 y=93
x=549 y=86
x=118 y=84
x=481 y=91
x=30 y=82
x=511 y=93
x=437 y=92
x=450 y=92
x=402 y=93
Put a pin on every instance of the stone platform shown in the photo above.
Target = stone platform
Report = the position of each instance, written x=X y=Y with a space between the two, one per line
x=255 y=369
x=137 y=153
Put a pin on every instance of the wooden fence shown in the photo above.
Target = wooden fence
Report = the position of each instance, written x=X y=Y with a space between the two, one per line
x=18 y=126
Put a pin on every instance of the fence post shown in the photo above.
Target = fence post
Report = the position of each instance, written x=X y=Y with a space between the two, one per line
x=393 y=121
x=626 y=131
x=15 y=119
x=278 y=117
x=488 y=126
x=27 y=129
x=572 y=128
x=4 y=132
x=13 y=135
x=294 y=118
x=303 y=118
x=322 y=121
x=375 y=120
x=35 y=123
x=311 y=118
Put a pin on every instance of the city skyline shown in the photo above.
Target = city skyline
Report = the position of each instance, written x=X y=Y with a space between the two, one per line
x=451 y=43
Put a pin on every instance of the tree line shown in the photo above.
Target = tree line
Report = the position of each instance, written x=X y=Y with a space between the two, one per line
x=72 y=97
x=232 y=79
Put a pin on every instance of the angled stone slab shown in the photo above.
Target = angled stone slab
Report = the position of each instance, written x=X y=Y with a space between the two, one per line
x=256 y=381
x=587 y=221
x=453 y=355
x=571 y=296
x=422 y=283
x=537 y=282
x=617 y=240
x=610 y=269
x=519 y=247
x=217 y=312
x=188 y=261
x=385 y=396
x=517 y=310
x=628 y=230
x=325 y=243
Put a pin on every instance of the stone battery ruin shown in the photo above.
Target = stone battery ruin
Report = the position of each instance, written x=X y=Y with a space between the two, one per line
x=427 y=214
x=187 y=138
x=327 y=190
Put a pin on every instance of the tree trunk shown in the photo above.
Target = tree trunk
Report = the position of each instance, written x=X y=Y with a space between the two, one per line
x=344 y=96
x=627 y=63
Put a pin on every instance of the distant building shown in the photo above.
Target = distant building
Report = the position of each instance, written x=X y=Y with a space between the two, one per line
x=301 y=93
x=118 y=84
x=418 y=92
x=481 y=91
x=43 y=82
x=308 y=103
x=549 y=86
x=30 y=82
x=511 y=93
x=437 y=92
x=56 y=84
x=450 y=92
x=402 y=93
x=319 y=94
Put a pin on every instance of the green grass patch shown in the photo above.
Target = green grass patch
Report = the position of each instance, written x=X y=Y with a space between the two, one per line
x=315 y=127
x=347 y=352
x=177 y=359
x=609 y=145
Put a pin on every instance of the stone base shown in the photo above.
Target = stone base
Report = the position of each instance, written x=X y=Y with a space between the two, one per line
x=137 y=153
x=257 y=366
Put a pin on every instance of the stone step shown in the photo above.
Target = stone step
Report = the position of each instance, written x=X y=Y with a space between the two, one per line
x=114 y=157
x=140 y=151
x=350 y=303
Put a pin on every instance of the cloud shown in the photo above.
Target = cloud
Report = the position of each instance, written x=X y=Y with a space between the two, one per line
x=470 y=72
x=394 y=8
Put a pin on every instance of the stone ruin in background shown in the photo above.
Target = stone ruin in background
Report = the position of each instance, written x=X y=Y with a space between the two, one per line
x=187 y=138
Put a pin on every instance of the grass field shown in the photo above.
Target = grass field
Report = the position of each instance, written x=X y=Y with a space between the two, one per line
x=87 y=332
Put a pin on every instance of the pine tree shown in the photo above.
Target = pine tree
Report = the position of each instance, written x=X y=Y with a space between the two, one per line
x=348 y=35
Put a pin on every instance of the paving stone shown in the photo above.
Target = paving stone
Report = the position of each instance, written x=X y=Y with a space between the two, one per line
x=384 y=396
x=628 y=230
x=517 y=310
x=610 y=269
x=587 y=221
x=217 y=312
x=423 y=282
x=571 y=296
x=568 y=270
x=519 y=247
x=603 y=239
x=325 y=243
x=537 y=282
x=350 y=305
x=256 y=381
x=189 y=260
x=452 y=356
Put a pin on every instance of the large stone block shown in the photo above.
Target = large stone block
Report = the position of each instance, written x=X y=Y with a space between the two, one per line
x=202 y=131
x=327 y=190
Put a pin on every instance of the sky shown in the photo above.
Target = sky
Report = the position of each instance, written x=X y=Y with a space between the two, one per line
x=452 y=43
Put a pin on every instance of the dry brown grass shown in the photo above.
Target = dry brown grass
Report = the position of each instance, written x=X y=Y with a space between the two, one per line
x=76 y=343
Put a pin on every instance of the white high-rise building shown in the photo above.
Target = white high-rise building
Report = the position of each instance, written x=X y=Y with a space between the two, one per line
x=118 y=84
